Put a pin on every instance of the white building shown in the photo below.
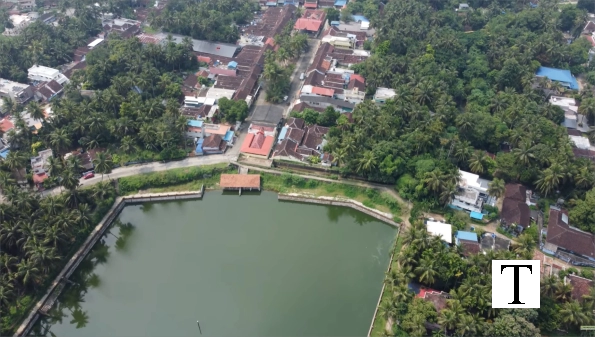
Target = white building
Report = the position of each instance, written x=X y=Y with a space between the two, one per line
x=572 y=119
x=39 y=164
x=18 y=92
x=217 y=93
x=472 y=192
x=384 y=94
x=39 y=73
x=20 y=22
x=440 y=229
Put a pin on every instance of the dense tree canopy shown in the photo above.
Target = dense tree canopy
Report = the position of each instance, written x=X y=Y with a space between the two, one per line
x=464 y=95
x=212 y=20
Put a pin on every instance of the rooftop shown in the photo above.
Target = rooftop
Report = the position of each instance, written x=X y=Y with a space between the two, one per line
x=207 y=47
x=240 y=181
x=442 y=230
x=580 y=286
x=257 y=144
x=559 y=75
x=561 y=234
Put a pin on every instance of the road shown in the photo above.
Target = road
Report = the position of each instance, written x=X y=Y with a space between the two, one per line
x=230 y=155
x=295 y=85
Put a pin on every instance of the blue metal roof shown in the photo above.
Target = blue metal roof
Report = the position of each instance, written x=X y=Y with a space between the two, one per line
x=340 y=2
x=228 y=136
x=271 y=3
x=195 y=123
x=335 y=23
x=232 y=65
x=462 y=235
x=559 y=75
x=282 y=133
x=476 y=215
x=358 y=18
x=4 y=153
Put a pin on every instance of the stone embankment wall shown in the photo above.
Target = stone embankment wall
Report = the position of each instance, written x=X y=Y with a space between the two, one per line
x=50 y=297
x=382 y=216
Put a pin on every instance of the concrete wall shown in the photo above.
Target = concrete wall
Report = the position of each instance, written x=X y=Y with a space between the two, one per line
x=382 y=216
x=55 y=289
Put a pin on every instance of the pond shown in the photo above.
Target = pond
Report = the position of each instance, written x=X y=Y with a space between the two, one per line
x=242 y=266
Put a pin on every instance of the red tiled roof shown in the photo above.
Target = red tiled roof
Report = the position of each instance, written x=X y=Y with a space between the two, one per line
x=270 y=41
x=39 y=178
x=5 y=125
x=517 y=212
x=580 y=286
x=311 y=5
x=308 y=24
x=516 y=192
x=204 y=59
x=323 y=91
x=221 y=71
x=240 y=181
x=560 y=233
x=257 y=145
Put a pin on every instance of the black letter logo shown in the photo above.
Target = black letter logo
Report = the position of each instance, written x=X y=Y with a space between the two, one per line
x=516 y=284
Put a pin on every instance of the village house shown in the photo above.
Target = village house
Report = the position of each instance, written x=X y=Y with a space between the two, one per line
x=580 y=286
x=271 y=23
x=515 y=212
x=568 y=243
x=472 y=193
x=562 y=76
x=18 y=92
x=214 y=144
x=194 y=129
x=490 y=241
x=39 y=73
x=84 y=157
x=46 y=91
x=298 y=142
x=126 y=28
x=384 y=94
x=440 y=229
x=311 y=22
x=344 y=39
x=583 y=147
x=19 y=23
x=572 y=119
x=39 y=165
x=259 y=140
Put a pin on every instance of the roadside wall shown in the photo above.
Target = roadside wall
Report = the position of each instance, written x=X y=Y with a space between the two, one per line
x=47 y=301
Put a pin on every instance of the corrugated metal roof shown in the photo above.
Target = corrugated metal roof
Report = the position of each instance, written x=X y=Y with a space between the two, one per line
x=462 y=235
x=558 y=75
x=195 y=123
x=476 y=215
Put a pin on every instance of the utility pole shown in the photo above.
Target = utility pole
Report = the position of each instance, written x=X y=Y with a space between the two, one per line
x=199 y=330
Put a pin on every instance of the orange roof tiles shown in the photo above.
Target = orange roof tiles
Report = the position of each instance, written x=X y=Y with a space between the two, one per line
x=257 y=144
x=308 y=24
x=323 y=91
x=5 y=125
x=240 y=181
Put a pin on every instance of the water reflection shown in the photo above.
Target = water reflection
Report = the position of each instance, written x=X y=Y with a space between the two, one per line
x=69 y=304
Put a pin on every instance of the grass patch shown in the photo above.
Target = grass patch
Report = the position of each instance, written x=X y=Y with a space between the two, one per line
x=181 y=179
x=373 y=198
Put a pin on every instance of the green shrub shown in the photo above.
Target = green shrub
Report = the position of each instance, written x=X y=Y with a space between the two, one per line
x=350 y=191
x=368 y=203
x=165 y=178
x=587 y=273
x=312 y=183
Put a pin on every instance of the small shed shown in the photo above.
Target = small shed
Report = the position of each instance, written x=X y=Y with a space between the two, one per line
x=463 y=235
x=240 y=182
x=476 y=215
x=232 y=65
x=335 y=23
x=440 y=229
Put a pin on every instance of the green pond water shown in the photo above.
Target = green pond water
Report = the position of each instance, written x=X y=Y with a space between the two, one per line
x=242 y=266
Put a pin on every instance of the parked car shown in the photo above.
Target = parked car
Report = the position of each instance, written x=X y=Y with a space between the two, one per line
x=302 y=76
x=89 y=175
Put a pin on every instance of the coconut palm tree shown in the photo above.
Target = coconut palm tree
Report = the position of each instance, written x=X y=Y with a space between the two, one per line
x=477 y=162
x=426 y=271
x=497 y=187
x=102 y=163
x=572 y=314
x=549 y=285
x=524 y=153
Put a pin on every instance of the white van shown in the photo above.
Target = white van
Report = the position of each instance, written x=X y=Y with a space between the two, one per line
x=301 y=76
